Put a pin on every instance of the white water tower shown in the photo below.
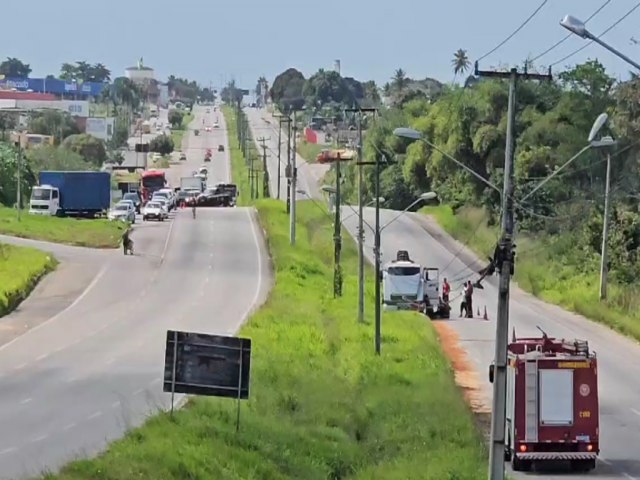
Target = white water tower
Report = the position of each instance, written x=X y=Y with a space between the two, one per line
x=336 y=66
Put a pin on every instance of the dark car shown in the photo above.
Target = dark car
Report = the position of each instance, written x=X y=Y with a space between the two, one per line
x=209 y=199
x=221 y=148
x=135 y=198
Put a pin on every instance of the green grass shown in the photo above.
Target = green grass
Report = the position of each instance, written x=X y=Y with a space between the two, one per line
x=323 y=405
x=239 y=168
x=85 y=233
x=544 y=269
x=20 y=270
x=309 y=151
x=177 y=134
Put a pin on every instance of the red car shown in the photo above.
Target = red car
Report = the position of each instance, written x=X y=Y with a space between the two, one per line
x=207 y=129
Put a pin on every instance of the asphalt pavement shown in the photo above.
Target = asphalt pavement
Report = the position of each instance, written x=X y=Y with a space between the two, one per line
x=94 y=367
x=133 y=159
x=618 y=357
x=265 y=125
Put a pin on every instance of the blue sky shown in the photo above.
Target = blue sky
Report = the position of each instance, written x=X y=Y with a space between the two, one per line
x=212 y=40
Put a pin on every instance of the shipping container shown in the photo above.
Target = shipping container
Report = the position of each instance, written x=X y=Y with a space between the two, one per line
x=84 y=194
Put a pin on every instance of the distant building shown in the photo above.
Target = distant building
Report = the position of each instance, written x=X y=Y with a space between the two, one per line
x=145 y=77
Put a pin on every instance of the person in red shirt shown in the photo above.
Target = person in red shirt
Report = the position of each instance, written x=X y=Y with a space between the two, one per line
x=446 y=289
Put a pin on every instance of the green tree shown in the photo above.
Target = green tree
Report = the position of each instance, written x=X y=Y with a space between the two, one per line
x=56 y=158
x=13 y=67
x=460 y=62
x=286 y=90
x=90 y=148
x=8 y=175
x=53 y=122
x=162 y=144
x=175 y=118
x=7 y=122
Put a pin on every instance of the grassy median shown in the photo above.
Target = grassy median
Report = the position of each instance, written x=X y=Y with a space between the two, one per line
x=323 y=405
x=20 y=270
x=545 y=269
x=70 y=231
x=239 y=170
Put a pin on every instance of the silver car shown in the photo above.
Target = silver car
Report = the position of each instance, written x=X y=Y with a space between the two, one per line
x=123 y=211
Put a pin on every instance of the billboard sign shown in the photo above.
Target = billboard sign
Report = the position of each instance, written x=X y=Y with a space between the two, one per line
x=101 y=128
x=52 y=85
x=203 y=364
x=76 y=108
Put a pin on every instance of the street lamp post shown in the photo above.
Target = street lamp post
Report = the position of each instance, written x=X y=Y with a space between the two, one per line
x=578 y=27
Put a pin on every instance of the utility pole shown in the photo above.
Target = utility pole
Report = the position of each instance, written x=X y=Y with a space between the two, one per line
x=265 y=177
x=360 y=235
x=279 y=154
x=505 y=265
x=19 y=177
x=337 y=238
x=292 y=189
x=604 y=258
x=288 y=164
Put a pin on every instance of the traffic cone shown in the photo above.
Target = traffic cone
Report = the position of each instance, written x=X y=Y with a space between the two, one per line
x=485 y=316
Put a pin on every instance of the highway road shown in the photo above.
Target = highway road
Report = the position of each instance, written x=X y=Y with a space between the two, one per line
x=93 y=368
x=618 y=357
x=263 y=124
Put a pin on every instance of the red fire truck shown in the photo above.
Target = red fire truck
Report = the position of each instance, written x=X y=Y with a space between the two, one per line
x=151 y=181
x=552 y=403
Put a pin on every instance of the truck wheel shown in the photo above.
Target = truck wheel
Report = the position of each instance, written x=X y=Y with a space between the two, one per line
x=520 y=465
x=583 y=465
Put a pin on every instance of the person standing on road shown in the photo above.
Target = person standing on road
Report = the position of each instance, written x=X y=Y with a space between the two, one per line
x=468 y=299
x=446 y=289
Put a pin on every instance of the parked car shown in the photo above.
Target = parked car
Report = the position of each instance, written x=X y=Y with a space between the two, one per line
x=210 y=199
x=207 y=129
x=123 y=211
x=183 y=156
x=167 y=195
x=135 y=198
x=164 y=203
x=187 y=196
x=221 y=148
x=154 y=210
x=215 y=125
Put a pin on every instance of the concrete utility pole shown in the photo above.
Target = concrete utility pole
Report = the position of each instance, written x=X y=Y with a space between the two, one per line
x=604 y=258
x=19 y=177
x=265 y=178
x=288 y=164
x=292 y=189
x=337 y=238
x=279 y=153
x=359 y=112
x=505 y=265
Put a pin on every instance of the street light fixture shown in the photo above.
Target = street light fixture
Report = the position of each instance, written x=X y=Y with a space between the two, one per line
x=578 y=27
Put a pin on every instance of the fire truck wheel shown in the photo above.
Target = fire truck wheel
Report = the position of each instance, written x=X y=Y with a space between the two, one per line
x=583 y=465
x=520 y=465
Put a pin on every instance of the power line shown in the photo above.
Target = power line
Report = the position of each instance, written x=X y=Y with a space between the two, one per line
x=569 y=34
x=603 y=33
x=535 y=12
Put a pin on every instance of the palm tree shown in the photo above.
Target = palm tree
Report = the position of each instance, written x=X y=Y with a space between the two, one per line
x=460 y=62
x=100 y=73
x=83 y=69
x=400 y=80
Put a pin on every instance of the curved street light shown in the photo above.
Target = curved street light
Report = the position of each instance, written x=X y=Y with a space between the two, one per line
x=578 y=27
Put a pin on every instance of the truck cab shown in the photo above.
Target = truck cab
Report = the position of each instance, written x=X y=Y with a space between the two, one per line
x=45 y=200
x=409 y=286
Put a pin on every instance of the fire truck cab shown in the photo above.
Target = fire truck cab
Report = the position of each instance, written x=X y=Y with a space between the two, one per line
x=552 y=408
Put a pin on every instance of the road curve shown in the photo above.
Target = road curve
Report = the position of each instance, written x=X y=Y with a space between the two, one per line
x=92 y=370
x=619 y=357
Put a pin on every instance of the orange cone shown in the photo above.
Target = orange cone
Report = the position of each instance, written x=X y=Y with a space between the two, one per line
x=485 y=316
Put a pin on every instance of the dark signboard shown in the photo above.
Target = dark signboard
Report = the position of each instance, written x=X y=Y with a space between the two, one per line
x=142 y=147
x=203 y=364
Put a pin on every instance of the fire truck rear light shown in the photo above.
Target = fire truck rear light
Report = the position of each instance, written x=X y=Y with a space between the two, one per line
x=589 y=448
x=523 y=448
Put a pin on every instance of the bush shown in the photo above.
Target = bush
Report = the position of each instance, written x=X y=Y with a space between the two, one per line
x=56 y=158
x=175 y=118
x=92 y=149
x=162 y=144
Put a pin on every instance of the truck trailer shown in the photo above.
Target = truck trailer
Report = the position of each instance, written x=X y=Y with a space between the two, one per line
x=552 y=410
x=82 y=194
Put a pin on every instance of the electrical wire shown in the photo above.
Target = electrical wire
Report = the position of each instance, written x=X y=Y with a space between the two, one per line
x=603 y=33
x=535 y=12
x=569 y=35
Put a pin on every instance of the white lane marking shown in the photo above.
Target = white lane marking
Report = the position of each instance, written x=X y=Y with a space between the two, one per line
x=210 y=267
x=138 y=391
x=21 y=366
x=8 y=450
x=68 y=426
x=25 y=401
x=38 y=438
x=42 y=357
x=259 y=253
x=156 y=380
x=166 y=243
x=628 y=476
x=110 y=361
x=637 y=412
x=86 y=291
x=115 y=404
x=94 y=415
